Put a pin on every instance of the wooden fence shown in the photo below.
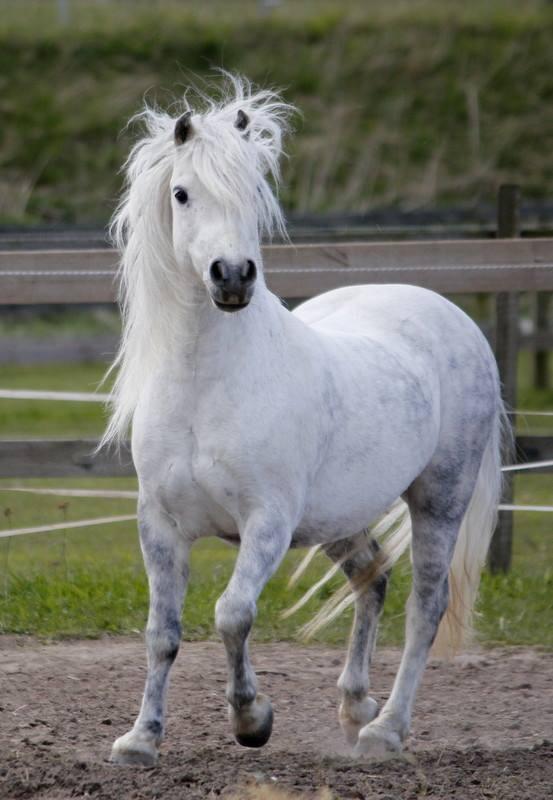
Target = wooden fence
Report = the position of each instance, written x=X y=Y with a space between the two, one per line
x=497 y=266
x=60 y=458
x=303 y=270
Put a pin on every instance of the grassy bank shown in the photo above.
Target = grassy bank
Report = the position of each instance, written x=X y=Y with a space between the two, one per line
x=410 y=103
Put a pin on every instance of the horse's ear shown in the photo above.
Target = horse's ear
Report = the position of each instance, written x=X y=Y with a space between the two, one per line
x=242 y=120
x=183 y=128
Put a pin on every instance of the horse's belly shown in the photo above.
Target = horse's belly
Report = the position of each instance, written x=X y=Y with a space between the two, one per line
x=340 y=515
x=355 y=485
x=343 y=512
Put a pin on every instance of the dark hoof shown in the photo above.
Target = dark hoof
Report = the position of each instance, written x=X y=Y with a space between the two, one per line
x=259 y=737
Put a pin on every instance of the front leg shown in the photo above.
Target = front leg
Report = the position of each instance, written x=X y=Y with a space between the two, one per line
x=264 y=543
x=165 y=553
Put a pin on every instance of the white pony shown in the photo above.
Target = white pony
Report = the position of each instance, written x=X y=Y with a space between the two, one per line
x=273 y=429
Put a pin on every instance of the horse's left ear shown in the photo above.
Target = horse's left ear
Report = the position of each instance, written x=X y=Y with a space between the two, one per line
x=183 y=128
x=242 y=120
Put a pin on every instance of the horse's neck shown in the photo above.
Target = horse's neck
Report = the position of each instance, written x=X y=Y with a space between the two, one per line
x=214 y=342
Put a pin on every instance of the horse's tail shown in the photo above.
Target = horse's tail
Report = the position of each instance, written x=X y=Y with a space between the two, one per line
x=394 y=532
x=473 y=541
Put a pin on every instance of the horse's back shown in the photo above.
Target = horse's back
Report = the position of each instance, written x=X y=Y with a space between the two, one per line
x=420 y=331
x=406 y=320
x=366 y=309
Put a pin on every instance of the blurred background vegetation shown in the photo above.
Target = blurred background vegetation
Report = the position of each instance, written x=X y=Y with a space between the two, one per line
x=406 y=103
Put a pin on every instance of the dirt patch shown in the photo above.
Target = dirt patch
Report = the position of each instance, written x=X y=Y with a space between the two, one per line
x=482 y=725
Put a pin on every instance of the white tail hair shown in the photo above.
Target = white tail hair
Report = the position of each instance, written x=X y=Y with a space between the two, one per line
x=473 y=542
x=393 y=531
x=233 y=167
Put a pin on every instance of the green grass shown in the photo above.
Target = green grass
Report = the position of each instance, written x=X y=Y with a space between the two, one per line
x=34 y=419
x=60 y=321
x=408 y=103
x=90 y=581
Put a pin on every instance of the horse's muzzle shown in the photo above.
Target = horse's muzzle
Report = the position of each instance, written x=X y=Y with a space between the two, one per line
x=232 y=285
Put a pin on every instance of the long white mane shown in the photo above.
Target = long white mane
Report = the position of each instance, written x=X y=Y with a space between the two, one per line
x=235 y=169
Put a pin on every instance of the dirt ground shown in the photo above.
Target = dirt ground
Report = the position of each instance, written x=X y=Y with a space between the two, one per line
x=483 y=725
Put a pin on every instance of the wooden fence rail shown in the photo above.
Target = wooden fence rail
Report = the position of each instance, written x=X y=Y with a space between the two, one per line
x=77 y=458
x=298 y=271
x=60 y=458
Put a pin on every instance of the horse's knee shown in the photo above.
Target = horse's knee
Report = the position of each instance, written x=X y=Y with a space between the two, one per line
x=233 y=617
x=379 y=588
x=427 y=605
x=432 y=593
x=164 y=641
x=442 y=600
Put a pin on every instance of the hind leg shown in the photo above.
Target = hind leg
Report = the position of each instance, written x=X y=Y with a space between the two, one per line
x=437 y=503
x=357 y=558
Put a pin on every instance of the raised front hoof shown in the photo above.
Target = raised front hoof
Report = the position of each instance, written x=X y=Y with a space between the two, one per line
x=354 y=715
x=253 y=724
x=257 y=738
x=378 y=742
x=131 y=750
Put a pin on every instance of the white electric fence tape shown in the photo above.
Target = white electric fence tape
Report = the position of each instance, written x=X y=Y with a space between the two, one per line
x=62 y=526
x=507 y=507
x=522 y=413
x=31 y=394
x=108 y=494
x=84 y=523
x=529 y=465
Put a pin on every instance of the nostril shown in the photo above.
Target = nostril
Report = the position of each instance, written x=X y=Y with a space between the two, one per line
x=218 y=272
x=249 y=273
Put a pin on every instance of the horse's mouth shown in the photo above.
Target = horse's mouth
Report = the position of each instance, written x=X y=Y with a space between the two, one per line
x=231 y=301
x=235 y=295
x=230 y=307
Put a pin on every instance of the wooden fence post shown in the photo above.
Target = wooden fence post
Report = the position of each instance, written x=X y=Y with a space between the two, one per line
x=506 y=351
x=541 y=357
x=64 y=13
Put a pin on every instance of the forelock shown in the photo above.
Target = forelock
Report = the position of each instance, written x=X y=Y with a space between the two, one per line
x=235 y=165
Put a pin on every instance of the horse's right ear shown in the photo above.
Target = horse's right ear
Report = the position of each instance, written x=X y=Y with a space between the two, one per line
x=183 y=128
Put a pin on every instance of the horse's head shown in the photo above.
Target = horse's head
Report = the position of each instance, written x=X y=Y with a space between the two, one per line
x=220 y=200
x=196 y=203
x=214 y=233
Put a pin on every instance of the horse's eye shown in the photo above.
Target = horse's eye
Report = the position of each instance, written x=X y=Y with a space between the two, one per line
x=181 y=195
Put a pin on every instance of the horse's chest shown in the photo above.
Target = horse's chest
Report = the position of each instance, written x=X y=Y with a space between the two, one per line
x=183 y=474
